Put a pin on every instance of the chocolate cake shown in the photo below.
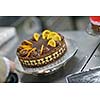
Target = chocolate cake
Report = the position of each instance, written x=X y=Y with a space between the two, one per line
x=41 y=49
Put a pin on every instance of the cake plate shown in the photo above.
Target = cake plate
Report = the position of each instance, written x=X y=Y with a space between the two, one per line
x=50 y=68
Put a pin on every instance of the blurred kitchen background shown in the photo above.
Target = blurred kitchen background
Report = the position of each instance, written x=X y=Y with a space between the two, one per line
x=57 y=23
x=14 y=29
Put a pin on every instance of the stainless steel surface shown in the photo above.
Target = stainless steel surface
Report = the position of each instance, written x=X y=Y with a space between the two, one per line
x=89 y=76
x=81 y=63
x=94 y=61
x=86 y=45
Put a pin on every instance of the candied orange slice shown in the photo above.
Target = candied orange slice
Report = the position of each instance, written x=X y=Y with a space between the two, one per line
x=25 y=42
x=34 y=49
x=25 y=46
x=57 y=37
x=51 y=35
x=41 y=50
x=27 y=49
x=36 y=36
x=45 y=34
x=52 y=43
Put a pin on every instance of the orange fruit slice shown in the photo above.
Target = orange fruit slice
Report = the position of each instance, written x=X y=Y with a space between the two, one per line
x=45 y=34
x=52 y=43
x=26 y=42
x=36 y=36
x=25 y=46
x=51 y=35
x=34 y=49
x=57 y=37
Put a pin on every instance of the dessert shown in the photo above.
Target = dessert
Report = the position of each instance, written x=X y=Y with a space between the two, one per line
x=95 y=23
x=41 y=49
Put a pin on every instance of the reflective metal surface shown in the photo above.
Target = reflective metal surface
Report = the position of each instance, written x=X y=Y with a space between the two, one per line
x=90 y=76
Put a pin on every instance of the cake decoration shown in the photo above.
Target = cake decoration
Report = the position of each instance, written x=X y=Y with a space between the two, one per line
x=45 y=34
x=36 y=36
x=41 y=49
x=52 y=43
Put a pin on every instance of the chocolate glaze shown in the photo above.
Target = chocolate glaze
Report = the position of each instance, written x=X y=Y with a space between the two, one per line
x=47 y=50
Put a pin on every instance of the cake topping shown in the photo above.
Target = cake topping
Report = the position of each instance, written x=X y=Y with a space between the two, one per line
x=40 y=44
x=51 y=34
x=24 y=53
x=34 y=49
x=36 y=36
x=25 y=42
x=52 y=43
x=25 y=46
x=41 y=50
x=45 y=34
x=56 y=38
x=27 y=49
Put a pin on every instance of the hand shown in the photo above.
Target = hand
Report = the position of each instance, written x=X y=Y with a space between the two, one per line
x=12 y=66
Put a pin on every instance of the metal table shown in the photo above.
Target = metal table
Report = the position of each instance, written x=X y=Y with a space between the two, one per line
x=87 y=56
x=94 y=61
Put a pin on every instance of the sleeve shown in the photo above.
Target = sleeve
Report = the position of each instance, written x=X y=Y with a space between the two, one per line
x=7 y=65
x=4 y=68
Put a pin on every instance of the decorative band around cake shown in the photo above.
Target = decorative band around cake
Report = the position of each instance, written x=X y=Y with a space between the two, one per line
x=45 y=60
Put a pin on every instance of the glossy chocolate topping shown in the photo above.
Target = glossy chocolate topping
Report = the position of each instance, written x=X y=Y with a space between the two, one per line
x=37 y=44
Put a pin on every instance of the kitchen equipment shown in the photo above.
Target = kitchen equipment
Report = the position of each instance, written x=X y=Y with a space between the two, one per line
x=89 y=76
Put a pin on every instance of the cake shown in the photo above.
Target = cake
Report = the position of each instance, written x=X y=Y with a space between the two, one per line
x=41 y=49
x=95 y=23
